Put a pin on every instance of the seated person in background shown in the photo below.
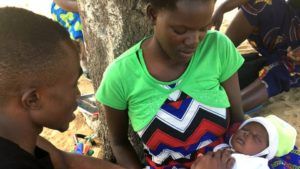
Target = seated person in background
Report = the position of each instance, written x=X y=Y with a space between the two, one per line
x=39 y=70
x=273 y=29
x=259 y=140
x=65 y=12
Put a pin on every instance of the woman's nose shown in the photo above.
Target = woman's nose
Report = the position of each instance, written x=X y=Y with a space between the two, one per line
x=192 y=39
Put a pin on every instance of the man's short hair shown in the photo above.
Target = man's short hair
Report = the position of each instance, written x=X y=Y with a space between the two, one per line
x=30 y=50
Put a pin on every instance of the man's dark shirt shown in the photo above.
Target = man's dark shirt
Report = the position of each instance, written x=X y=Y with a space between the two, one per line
x=13 y=157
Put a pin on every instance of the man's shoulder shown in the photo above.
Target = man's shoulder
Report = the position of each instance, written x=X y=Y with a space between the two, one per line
x=9 y=150
x=13 y=157
x=14 y=160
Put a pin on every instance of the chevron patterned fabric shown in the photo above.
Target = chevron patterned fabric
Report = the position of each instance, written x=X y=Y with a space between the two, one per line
x=182 y=129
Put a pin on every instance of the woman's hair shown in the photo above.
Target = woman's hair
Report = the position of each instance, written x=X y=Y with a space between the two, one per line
x=167 y=4
x=163 y=4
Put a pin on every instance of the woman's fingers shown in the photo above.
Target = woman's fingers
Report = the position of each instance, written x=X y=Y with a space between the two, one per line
x=230 y=163
x=227 y=159
x=214 y=160
x=226 y=154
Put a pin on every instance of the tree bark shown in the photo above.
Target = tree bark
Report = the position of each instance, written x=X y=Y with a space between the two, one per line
x=110 y=27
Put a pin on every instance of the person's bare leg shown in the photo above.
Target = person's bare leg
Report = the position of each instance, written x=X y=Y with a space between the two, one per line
x=254 y=95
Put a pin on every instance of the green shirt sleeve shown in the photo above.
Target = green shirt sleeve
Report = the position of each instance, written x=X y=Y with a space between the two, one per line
x=111 y=92
x=231 y=60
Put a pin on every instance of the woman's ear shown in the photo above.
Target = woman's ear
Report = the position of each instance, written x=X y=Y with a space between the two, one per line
x=152 y=14
x=31 y=99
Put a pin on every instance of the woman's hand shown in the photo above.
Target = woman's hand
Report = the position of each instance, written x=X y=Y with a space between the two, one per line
x=214 y=160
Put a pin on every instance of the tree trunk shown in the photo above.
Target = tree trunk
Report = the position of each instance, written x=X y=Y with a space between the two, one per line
x=110 y=27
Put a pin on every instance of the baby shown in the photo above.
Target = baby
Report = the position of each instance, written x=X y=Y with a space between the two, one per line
x=260 y=139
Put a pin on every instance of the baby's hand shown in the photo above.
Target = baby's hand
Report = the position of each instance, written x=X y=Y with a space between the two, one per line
x=294 y=54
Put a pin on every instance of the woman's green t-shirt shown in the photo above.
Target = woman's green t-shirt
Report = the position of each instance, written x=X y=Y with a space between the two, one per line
x=127 y=84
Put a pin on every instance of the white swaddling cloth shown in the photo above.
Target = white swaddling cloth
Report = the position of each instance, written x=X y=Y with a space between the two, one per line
x=249 y=162
x=245 y=161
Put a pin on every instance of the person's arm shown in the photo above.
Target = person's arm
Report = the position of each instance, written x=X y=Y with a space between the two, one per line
x=226 y=6
x=232 y=89
x=76 y=161
x=117 y=121
x=64 y=160
x=239 y=29
x=68 y=5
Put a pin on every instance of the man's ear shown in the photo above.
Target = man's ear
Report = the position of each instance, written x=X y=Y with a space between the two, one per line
x=31 y=99
x=152 y=14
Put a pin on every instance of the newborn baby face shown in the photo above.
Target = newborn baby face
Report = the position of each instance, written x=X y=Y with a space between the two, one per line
x=250 y=139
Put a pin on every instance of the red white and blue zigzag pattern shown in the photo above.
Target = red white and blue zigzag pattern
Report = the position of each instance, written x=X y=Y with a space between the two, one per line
x=182 y=129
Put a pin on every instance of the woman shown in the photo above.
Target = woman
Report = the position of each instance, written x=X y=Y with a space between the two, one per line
x=175 y=87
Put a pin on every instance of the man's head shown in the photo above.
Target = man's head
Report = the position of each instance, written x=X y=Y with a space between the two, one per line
x=39 y=69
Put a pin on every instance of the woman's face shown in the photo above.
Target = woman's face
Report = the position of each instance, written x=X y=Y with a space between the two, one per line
x=179 y=31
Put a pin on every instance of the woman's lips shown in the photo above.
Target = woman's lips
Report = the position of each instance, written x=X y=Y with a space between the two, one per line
x=188 y=53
